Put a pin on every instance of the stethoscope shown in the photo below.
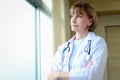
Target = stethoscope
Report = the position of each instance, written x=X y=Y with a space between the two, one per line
x=68 y=47
x=87 y=49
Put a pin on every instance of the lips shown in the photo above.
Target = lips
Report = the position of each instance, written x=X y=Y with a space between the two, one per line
x=74 y=25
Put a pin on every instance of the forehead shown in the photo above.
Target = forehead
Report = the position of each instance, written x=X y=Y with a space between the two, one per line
x=77 y=10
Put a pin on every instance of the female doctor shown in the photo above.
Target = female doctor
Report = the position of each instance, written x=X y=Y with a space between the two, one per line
x=84 y=56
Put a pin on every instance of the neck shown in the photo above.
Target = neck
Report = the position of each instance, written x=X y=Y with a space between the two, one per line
x=81 y=35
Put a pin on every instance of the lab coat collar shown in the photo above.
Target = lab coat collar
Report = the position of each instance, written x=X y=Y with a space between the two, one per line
x=90 y=36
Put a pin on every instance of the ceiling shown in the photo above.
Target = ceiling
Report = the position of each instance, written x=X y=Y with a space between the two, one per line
x=103 y=7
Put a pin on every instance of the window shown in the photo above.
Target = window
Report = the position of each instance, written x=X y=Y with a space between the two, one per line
x=45 y=36
x=46 y=43
x=17 y=43
x=26 y=45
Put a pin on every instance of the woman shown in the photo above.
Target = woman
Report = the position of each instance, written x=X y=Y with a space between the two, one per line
x=84 y=56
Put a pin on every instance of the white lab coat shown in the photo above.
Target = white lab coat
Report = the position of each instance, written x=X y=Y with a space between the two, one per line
x=80 y=71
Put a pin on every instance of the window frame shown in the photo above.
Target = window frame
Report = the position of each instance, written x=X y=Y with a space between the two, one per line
x=42 y=6
x=39 y=5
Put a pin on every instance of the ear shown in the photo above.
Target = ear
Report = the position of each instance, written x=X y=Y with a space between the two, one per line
x=90 y=22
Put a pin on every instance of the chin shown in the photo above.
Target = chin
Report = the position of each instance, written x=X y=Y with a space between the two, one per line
x=73 y=29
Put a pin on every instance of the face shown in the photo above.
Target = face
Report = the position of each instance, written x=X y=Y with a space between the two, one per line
x=80 y=22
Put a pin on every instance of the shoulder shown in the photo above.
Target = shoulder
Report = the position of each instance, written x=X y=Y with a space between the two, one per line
x=98 y=42
x=65 y=44
x=98 y=46
x=99 y=39
x=62 y=45
x=95 y=38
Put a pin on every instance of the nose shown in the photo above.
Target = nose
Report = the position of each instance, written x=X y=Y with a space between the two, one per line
x=73 y=19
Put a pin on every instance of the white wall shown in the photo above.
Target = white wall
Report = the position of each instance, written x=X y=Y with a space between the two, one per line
x=61 y=21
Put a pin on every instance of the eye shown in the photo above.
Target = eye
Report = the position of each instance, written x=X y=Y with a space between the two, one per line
x=80 y=16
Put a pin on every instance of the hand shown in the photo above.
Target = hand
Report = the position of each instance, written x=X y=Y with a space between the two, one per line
x=90 y=64
x=59 y=76
x=53 y=76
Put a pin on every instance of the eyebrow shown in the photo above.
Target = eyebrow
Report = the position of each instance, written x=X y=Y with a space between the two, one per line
x=76 y=10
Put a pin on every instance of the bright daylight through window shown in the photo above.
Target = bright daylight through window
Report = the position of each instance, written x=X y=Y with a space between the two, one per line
x=17 y=40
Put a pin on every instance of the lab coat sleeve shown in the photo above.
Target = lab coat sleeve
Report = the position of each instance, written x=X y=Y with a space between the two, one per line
x=99 y=58
x=57 y=59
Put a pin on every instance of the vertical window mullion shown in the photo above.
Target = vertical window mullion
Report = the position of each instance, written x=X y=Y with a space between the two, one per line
x=40 y=44
x=37 y=67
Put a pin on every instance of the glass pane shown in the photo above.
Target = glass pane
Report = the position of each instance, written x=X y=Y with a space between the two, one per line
x=17 y=40
x=48 y=3
x=46 y=44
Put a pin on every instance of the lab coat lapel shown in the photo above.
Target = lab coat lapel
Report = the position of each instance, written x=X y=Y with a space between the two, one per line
x=67 y=55
x=80 y=49
x=82 y=46
x=90 y=36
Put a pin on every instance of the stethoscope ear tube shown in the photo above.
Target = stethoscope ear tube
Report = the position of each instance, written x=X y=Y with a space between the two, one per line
x=68 y=47
x=88 y=47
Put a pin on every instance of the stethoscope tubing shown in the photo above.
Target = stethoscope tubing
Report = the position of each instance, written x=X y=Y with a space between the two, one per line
x=86 y=49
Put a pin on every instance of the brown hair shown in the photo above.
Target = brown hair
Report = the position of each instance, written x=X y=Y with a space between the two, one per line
x=79 y=6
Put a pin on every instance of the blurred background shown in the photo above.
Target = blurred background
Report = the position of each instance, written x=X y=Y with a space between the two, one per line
x=31 y=31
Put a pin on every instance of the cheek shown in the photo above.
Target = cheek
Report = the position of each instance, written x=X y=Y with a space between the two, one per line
x=83 y=23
